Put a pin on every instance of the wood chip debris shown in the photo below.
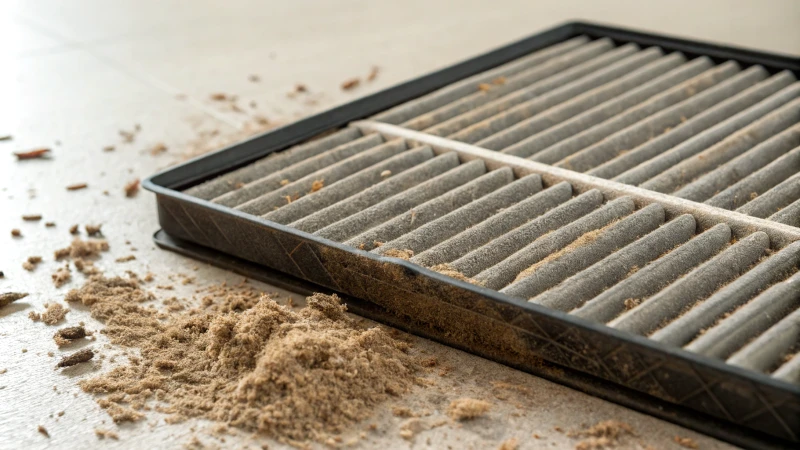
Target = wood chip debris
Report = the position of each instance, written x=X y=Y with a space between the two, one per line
x=16 y=233
x=219 y=97
x=685 y=442
x=39 y=153
x=49 y=224
x=317 y=185
x=351 y=84
x=6 y=298
x=132 y=188
x=125 y=259
x=43 y=431
x=483 y=87
x=108 y=148
x=74 y=229
x=32 y=217
x=77 y=186
x=66 y=335
x=373 y=73
x=81 y=356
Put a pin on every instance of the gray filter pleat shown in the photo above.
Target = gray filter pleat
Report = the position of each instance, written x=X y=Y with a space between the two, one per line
x=649 y=160
x=413 y=218
x=402 y=202
x=453 y=92
x=660 y=123
x=740 y=167
x=394 y=185
x=584 y=285
x=447 y=226
x=731 y=147
x=522 y=111
x=790 y=215
x=499 y=88
x=582 y=102
x=790 y=371
x=696 y=285
x=540 y=87
x=504 y=246
x=663 y=90
x=275 y=180
x=349 y=186
x=495 y=226
x=738 y=292
x=765 y=352
x=330 y=175
x=774 y=199
x=749 y=321
x=584 y=251
x=759 y=182
x=655 y=276
x=269 y=164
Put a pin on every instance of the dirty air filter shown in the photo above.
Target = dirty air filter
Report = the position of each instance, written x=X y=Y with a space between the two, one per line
x=609 y=209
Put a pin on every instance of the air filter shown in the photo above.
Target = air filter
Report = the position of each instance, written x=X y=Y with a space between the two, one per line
x=613 y=210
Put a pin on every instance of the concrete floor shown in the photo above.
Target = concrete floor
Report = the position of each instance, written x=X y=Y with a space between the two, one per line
x=75 y=73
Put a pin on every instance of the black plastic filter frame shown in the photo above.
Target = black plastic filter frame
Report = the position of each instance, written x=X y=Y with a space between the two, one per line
x=677 y=385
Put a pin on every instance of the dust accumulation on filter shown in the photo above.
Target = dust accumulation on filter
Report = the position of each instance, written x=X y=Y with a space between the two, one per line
x=634 y=268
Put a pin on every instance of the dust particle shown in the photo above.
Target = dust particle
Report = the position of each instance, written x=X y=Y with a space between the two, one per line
x=49 y=224
x=350 y=84
x=219 y=97
x=78 y=357
x=467 y=408
x=125 y=259
x=108 y=148
x=631 y=303
x=483 y=87
x=386 y=173
x=43 y=430
x=93 y=230
x=254 y=78
x=685 y=442
x=102 y=434
x=77 y=186
x=32 y=217
x=373 y=73
x=317 y=185
x=61 y=276
x=74 y=229
x=16 y=233
x=445 y=269
x=603 y=434
x=397 y=253
x=132 y=188
x=284 y=182
x=499 y=81
x=158 y=149
x=39 y=153
x=509 y=444
x=31 y=263
x=6 y=298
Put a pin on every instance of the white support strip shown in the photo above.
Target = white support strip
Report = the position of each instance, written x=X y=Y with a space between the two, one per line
x=707 y=216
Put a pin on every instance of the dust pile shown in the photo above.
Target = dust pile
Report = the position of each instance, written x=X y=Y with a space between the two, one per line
x=252 y=364
x=605 y=434
x=53 y=313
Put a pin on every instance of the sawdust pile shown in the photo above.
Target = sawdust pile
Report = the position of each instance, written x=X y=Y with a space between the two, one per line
x=53 y=313
x=260 y=366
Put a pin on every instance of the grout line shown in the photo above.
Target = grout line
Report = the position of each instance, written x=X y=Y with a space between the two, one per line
x=129 y=71
x=707 y=216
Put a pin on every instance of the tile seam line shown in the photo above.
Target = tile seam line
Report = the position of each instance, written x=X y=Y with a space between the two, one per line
x=129 y=71
x=780 y=234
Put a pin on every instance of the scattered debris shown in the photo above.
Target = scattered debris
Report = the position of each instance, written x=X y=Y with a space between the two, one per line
x=66 y=335
x=284 y=182
x=685 y=442
x=317 y=185
x=254 y=78
x=109 y=148
x=219 y=97
x=398 y=253
x=77 y=186
x=93 y=230
x=132 y=188
x=43 y=430
x=350 y=84
x=509 y=444
x=631 y=303
x=49 y=224
x=81 y=249
x=603 y=434
x=467 y=408
x=102 y=434
x=300 y=87
x=483 y=87
x=125 y=258
x=373 y=73
x=74 y=229
x=54 y=313
x=411 y=427
x=31 y=263
x=78 y=357
x=32 y=217
x=130 y=136
x=158 y=149
x=402 y=411
x=61 y=276
x=39 y=153
x=6 y=298
x=16 y=233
